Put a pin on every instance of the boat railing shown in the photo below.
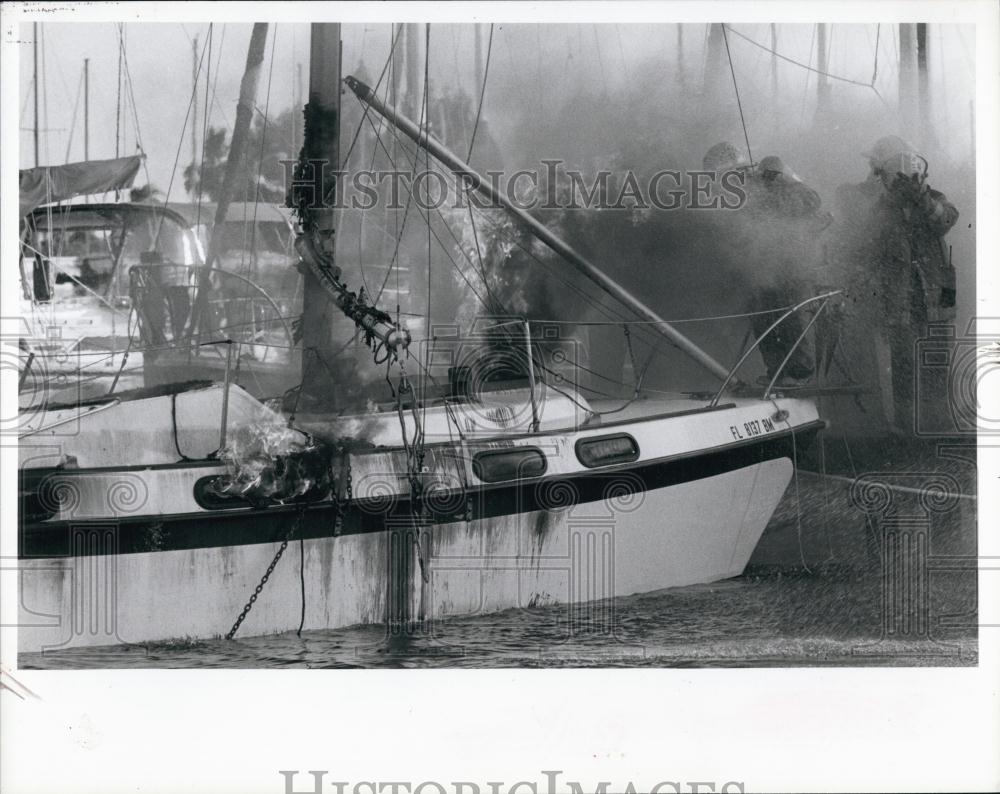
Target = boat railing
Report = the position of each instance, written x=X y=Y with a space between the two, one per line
x=73 y=417
x=53 y=262
x=164 y=295
x=823 y=301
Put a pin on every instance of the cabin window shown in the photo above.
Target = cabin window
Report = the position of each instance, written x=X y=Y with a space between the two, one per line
x=607 y=450
x=502 y=465
x=209 y=498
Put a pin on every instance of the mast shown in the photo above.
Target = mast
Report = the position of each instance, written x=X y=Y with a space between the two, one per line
x=298 y=103
x=714 y=62
x=241 y=128
x=923 y=87
x=413 y=70
x=321 y=142
x=590 y=271
x=774 y=63
x=235 y=162
x=680 y=53
x=86 y=108
x=907 y=77
x=398 y=64
x=822 y=63
x=479 y=53
x=34 y=36
x=194 y=104
x=316 y=244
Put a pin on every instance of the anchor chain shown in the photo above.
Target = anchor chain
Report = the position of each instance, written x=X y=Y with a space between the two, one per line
x=267 y=574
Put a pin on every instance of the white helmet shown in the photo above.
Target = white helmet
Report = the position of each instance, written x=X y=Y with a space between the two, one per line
x=892 y=155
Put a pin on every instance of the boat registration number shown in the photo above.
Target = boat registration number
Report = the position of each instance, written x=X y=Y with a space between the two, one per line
x=754 y=427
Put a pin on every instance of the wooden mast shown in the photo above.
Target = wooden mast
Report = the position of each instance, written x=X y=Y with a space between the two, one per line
x=235 y=162
x=321 y=142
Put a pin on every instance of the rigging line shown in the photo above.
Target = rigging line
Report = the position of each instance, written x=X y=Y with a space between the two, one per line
x=425 y=114
x=249 y=265
x=497 y=305
x=736 y=88
x=406 y=210
x=458 y=269
x=600 y=61
x=135 y=112
x=27 y=96
x=361 y=233
x=361 y=123
x=180 y=143
x=607 y=311
x=391 y=93
x=621 y=49
x=371 y=168
x=482 y=267
x=62 y=76
x=72 y=124
x=197 y=178
x=482 y=93
x=878 y=33
x=793 y=61
x=118 y=96
x=45 y=93
x=514 y=238
x=426 y=121
x=805 y=88
x=361 y=215
x=263 y=141
x=455 y=239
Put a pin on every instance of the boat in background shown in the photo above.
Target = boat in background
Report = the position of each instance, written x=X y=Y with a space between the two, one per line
x=75 y=262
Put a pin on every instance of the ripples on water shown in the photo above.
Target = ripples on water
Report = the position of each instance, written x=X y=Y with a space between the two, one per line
x=823 y=618
x=829 y=614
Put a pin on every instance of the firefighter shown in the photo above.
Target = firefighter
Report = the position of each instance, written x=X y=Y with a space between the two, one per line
x=785 y=218
x=890 y=246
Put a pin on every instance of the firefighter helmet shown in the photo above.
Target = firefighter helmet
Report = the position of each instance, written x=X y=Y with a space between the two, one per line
x=723 y=157
x=892 y=155
x=889 y=146
x=772 y=167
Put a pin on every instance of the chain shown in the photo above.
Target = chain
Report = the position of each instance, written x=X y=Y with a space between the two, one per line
x=267 y=575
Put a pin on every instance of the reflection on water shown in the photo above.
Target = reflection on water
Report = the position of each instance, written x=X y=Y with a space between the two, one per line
x=829 y=617
x=829 y=584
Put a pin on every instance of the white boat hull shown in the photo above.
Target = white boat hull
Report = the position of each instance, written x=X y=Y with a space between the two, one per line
x=698 y=531
x=119 y=543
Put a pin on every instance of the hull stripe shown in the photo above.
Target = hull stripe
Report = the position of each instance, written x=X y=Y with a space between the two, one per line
x=241 y=527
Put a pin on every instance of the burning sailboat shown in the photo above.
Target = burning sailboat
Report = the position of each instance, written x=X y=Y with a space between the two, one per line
x=504 y=487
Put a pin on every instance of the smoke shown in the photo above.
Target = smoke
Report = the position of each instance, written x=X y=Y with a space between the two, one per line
x=645 y=107
x=643 y=99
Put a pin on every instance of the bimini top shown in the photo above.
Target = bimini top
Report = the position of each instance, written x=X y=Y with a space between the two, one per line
x=52 y=183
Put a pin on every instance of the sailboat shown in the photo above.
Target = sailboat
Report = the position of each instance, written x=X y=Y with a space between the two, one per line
x=504 y=487
x=74 y=260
